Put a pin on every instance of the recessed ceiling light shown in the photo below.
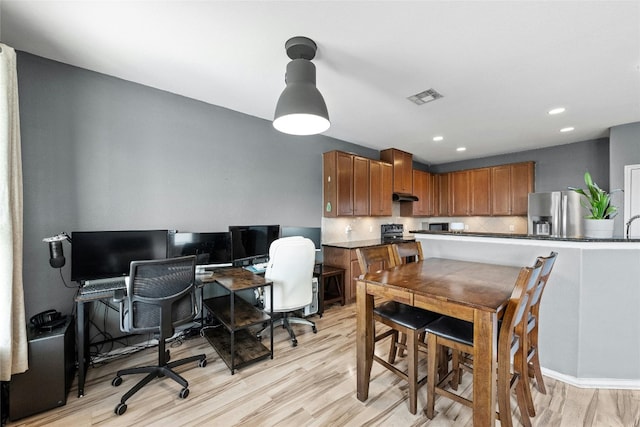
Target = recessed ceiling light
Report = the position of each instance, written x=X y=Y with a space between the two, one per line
x=567 y=129
x=438 y=138
x=461 y=149
x=556 y=111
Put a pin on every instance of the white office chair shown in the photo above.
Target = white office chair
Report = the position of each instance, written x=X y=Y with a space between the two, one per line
x=290 y=268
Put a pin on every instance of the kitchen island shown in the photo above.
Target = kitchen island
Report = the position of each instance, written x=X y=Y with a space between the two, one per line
x=590 y=311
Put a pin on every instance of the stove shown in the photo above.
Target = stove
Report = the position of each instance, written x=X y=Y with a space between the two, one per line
x=392 y=233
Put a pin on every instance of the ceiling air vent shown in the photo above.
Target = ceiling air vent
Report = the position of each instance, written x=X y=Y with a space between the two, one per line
x=424 y=97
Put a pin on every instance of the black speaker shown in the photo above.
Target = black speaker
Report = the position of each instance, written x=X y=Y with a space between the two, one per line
x=45 y=385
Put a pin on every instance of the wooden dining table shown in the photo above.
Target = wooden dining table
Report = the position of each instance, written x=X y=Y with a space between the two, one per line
x=471 y=291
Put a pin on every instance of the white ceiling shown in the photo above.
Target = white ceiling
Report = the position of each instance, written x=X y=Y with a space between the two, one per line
x=500 y=65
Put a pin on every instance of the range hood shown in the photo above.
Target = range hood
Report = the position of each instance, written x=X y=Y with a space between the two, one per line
x=404 y=197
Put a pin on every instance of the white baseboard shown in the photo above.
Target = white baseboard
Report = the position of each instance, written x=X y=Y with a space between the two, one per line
x=604 y=383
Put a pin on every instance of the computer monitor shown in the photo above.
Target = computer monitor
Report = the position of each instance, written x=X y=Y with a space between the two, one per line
x=103 y=254
x=312 y=233
x=210 y=249
x=251 y=242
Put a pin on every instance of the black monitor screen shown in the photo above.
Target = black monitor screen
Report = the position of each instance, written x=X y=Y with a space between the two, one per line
x=312 y=233
x=209 y=248
x=252 y=241
x=102 y=254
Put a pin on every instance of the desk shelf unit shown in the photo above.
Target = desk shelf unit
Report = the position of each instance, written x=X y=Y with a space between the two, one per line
x=233 y=339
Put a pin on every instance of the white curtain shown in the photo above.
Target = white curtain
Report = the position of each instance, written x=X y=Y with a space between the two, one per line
x=13 y=339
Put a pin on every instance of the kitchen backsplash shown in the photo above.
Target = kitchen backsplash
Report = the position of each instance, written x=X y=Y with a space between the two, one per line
x=365 y=228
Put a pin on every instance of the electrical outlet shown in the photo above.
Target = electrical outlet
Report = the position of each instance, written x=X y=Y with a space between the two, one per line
x=512 y=227
x=371 y=229
x=347 y=229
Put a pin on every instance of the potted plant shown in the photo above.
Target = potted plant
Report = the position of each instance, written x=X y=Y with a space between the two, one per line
x=599 y=221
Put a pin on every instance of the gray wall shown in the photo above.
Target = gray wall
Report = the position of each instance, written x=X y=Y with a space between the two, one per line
x=100 y=153
x=625 y=150
x=556 y=167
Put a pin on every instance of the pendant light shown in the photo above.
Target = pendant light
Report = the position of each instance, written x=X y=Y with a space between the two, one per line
x=301 y=110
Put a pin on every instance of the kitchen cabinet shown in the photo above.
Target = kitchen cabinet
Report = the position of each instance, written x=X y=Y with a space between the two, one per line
x=381 y=191
x=337 y=170
x=470 y=192
x=360 y=186
x=402 y=169
x=423 y=189
x=459 y=193
x=441 y=194
x=347 y=259
x=522 y=183
x=345 y=184
x=480 y=191
x=510 y=187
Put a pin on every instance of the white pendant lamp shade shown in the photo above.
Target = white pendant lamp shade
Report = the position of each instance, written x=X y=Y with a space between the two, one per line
x=301 y=109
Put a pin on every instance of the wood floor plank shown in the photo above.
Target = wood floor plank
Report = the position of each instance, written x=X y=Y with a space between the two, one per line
x=313 y=384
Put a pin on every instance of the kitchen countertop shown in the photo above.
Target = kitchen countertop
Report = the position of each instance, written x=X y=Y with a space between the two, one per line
x=524 y=236
x=366 y=243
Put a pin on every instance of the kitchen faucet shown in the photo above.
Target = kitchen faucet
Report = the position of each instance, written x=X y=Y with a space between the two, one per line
x=633 y=218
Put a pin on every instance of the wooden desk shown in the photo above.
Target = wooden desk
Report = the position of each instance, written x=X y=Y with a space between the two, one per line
x=236 y=345
x=475 y=292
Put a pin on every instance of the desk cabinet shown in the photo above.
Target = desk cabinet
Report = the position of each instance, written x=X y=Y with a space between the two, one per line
x=236 y=344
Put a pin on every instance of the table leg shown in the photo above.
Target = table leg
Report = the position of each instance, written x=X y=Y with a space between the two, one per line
x=485 y=338
x=81 y=334
x=364 y=339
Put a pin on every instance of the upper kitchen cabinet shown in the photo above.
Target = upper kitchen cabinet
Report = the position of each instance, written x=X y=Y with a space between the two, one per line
x=480 y=191
x=510 y=185
x=360 y=186
x=470 y=192
x=337 y=171
x=459 y=193
x=381 y=189
x=441 y=194
x=423 y=190
x=402 y=169
x=345 y=184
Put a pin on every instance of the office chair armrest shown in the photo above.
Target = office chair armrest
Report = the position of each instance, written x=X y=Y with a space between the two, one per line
x=119 y=296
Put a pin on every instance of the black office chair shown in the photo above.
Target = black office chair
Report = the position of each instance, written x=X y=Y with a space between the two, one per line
x=160 y=296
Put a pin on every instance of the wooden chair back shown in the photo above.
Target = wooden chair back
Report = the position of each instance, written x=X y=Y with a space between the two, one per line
x=547 y=266
x=407 y=252
x=375 y=258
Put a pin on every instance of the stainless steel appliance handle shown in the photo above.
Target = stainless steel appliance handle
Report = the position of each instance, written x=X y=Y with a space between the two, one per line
x=565 y=213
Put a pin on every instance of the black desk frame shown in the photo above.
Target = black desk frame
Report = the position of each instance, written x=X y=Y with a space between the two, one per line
x=82 y=333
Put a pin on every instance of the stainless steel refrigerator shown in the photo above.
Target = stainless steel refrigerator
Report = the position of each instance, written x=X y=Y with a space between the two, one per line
x=557 y=214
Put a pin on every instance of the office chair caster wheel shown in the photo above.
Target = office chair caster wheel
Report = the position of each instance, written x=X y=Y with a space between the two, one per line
x=315 y=330
x=121 y=408
x=202 y=363
x=294 y=343
x=116 y=382
x=259 y=337
x=168 y=356
x=184 y=393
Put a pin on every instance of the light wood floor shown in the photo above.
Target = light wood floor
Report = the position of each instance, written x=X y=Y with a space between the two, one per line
x=313 y=384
